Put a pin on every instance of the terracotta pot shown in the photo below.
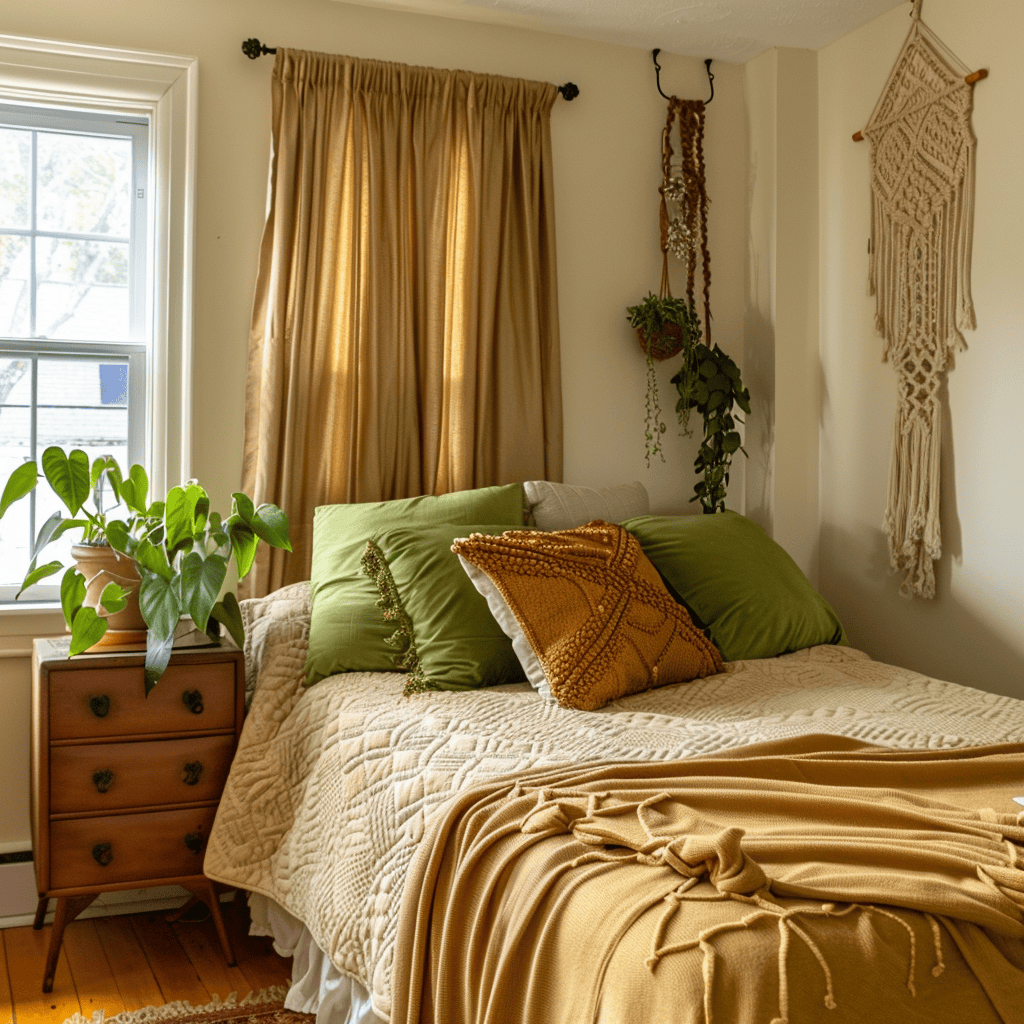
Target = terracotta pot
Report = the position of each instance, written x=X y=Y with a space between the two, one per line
x=101 y=565
x=663 y=345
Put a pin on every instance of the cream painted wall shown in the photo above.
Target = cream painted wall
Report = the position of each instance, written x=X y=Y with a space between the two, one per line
x=973 y=631
x=607 y=157
x=781 y=340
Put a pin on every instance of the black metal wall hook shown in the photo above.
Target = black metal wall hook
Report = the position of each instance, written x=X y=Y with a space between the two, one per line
x=253 y=48
x=657 y=76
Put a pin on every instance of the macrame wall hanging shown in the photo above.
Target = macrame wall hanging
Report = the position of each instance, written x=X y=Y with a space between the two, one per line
x=922 y=190
x=684 y=201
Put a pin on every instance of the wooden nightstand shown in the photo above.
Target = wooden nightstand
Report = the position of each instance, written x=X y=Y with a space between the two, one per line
x=124 y=786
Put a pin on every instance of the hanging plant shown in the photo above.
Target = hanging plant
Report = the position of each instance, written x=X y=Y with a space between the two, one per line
x=665 y=327
x=709 y=381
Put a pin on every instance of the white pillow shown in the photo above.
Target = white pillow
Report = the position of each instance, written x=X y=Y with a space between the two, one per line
x=565 y=506
x=510 y=625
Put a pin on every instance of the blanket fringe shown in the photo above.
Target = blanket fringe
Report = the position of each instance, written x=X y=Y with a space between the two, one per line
x=788 y=927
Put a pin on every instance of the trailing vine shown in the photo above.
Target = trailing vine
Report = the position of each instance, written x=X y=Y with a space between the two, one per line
x=709 y=381
x=665 y=326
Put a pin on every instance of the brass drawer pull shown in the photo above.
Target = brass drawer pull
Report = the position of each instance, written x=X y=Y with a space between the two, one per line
x=103 y=779
x=102 y=854
x=194 y=841
x=193 y=700
x=191 y=772
x=99 y=706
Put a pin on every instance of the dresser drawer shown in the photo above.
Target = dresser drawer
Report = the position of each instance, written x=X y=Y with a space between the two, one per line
x=128 y=847
x=146 y=773
x=97 y=702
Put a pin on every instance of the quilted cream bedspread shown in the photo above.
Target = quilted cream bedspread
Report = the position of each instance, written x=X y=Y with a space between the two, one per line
x=332 y=786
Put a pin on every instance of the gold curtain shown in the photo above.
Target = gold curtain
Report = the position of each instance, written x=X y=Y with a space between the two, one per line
x=405 y=326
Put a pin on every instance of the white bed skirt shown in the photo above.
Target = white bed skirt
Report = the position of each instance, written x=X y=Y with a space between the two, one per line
x=317 y=985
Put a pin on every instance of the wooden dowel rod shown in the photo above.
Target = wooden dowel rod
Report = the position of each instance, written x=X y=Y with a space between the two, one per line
x=975 y=76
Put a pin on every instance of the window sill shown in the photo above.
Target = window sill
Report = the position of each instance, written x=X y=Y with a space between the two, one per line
x=29 y=608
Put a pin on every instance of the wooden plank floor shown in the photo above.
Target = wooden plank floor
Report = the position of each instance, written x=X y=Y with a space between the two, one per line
x=125 y=963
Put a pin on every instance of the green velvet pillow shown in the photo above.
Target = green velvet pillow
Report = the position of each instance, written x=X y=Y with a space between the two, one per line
x=441 y=628
x=738 y=583
x=346 y=632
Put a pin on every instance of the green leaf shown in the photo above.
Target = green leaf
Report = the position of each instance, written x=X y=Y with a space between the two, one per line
x=117 y=535
x=72 y=593
x=242 y=506
x=202 y=509
x=269 y=523
x=21 y=482
x=134 y=488
x=45 y=535
x=229 y=614
x=113 y=471
x=35 y=575
x=114 y=598
x=160 y=603
x=68 y=475
x=243 y=543
x=201 y=580
x=152 y=557
x=179 y=516
x=87 y=629
x=158 y=654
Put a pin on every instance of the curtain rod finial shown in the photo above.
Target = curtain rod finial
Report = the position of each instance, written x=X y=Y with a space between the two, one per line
x=253 y=48
x=569 y=91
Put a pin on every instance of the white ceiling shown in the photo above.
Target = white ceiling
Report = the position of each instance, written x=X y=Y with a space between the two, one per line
x=729 y=30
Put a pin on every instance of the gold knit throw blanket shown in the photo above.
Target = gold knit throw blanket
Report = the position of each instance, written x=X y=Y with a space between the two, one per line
x=922 y=187
x=767 y=885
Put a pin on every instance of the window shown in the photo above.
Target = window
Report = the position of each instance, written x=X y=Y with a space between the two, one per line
x=73 y=302
x=97 y=174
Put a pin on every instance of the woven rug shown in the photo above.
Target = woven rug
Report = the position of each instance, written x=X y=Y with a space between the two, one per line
x=266 y=1007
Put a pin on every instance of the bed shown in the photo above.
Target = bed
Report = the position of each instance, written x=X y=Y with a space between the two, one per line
x=474 y=855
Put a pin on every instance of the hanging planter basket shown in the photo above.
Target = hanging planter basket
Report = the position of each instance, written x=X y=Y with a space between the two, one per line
x=663 y=343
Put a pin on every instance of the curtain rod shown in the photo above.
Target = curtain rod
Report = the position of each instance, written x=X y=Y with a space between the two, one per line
x=253 y=48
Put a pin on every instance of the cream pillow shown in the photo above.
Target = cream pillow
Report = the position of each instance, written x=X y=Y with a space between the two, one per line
x=563 y=506
x=589 y=617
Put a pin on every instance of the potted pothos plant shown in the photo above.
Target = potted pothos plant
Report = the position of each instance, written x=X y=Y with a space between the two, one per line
x=170 y=556
x=709 y=381
x=665 y=326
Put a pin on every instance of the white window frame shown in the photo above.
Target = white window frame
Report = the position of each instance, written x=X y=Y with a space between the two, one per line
x=161 y=88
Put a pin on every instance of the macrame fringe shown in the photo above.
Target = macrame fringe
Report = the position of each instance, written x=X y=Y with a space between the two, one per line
x=169 y=1011
x=922 y=213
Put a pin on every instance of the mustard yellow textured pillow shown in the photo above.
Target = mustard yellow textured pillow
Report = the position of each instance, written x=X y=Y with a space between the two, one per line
x=591 y=609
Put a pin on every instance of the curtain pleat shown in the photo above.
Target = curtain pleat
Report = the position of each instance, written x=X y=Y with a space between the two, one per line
x=404 y=335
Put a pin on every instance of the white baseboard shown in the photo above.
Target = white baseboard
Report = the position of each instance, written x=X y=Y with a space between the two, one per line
x=18 y=898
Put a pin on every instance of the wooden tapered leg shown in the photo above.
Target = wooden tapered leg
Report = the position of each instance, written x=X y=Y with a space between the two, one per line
x=177 y=915
x=44 y=903
x=68 y=908
x=207 y=892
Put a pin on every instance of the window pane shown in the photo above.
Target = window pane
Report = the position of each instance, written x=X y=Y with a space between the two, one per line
x=84 y=184
x=14 y=293
x=81 y=290
x=15 y=168
x=15 y=438
x=74 y=412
